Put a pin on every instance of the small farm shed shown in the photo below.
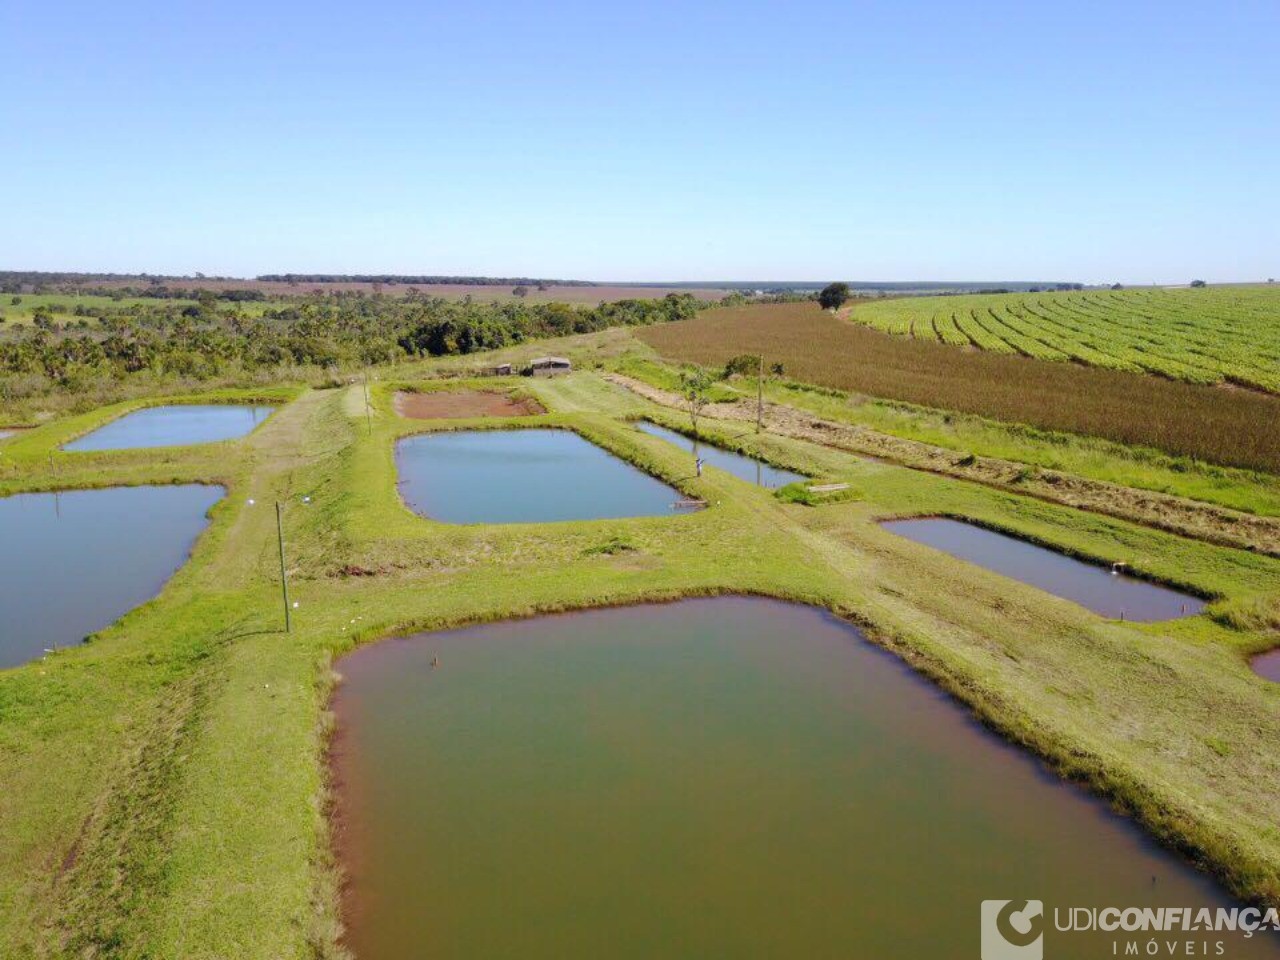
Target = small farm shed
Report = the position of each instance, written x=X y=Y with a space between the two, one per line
x=501 y=370
x=550 y=366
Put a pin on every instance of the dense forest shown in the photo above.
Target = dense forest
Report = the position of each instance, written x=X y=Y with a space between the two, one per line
x=214 y=340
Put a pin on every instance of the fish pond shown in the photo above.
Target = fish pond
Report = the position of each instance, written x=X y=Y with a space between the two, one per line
x=1097 y=588
x=173 y=426
x=731 y=777
x=72 y=563
x=1267 y=665
x=741 y=465
x=522 y=476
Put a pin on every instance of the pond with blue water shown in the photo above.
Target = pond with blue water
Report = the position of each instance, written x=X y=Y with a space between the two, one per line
x=72 y=563
x=173 y=426
x=523 y=476
x=742 y=466
x=1110 y=593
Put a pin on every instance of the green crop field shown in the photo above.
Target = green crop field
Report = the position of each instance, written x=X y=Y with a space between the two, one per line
x=1207 y=335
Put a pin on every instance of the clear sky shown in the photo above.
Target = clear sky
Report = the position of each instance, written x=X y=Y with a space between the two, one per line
x=627 y=141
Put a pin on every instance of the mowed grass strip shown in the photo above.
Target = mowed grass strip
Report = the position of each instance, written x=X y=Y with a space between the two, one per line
x=1221 y=425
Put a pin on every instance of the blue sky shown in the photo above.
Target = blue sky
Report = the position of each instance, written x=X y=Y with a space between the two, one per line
x=1138 y=142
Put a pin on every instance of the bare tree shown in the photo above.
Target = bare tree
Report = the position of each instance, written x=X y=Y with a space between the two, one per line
x=695 y=387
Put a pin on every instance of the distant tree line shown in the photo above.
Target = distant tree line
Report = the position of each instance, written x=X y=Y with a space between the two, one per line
x=214 y=339
x=49 y=281
x=417 y=280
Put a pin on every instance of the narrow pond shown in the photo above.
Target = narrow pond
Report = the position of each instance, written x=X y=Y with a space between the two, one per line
x=72 y=563
x=523 y=476
x=1267 y=665
x=739 y=464
x=713 y=778
x=1093 y=587
x=173 y=426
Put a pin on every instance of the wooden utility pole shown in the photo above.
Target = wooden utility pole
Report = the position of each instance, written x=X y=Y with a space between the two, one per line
x=760 y=394
x=284 y=582
x=368 y=414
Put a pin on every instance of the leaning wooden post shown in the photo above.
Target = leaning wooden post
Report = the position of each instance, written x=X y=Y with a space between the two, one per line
x=760 y=394
x=284 y=582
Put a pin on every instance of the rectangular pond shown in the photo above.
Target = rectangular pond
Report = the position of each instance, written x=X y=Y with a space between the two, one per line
x=522 y=476
x=72 y=563
x=713 y=778
x=739 y=464
x=1094 y=587
x=173 y=426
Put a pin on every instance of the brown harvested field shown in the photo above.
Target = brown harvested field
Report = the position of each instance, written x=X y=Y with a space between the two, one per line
x=1227 y=426
x=445 y=404
x=591 y=296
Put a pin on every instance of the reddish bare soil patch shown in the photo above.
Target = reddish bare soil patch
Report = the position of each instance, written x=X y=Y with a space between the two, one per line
x=444 y=404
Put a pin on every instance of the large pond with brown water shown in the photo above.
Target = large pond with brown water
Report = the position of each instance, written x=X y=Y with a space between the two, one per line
x=523 y=476
x=72 y=563
x=1110 y=593
x=713 y=778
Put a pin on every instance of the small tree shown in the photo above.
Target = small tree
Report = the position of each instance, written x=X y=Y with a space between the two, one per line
x=1197 y=283
x=520 y=291
x=695 y=387
x=833 y=296
x=741 y=365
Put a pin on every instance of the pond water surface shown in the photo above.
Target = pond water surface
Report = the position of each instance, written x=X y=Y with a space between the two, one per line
x=1267 y=665
x=713 y=778
x=522 y=476
x=739 y=464
x=1093 y=587
x=173 y=426
x=72 y=563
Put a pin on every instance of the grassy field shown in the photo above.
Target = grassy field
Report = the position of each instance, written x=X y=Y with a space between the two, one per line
x=1206 y=335
x=1220 y=425
x=63 y=306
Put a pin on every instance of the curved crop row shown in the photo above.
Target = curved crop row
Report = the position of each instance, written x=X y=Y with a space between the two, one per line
x=1202 y=335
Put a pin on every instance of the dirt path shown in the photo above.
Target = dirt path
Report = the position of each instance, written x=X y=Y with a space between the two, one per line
x=1178 y=515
